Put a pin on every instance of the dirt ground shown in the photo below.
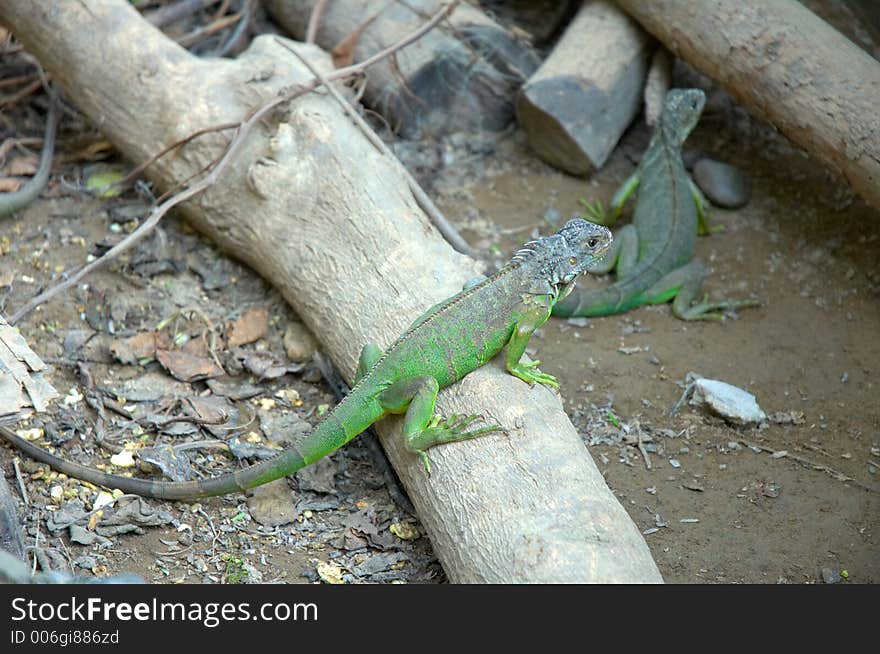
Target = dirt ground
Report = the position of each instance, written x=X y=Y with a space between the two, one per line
x=777 y=503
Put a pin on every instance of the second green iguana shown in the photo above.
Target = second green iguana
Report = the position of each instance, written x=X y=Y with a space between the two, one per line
x=452 y=339
x=653 y=255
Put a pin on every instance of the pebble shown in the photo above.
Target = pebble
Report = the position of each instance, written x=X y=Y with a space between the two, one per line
x=82 y=535
x=725 y=185
x=731 y=403
x=829 y=576
x=299 y=344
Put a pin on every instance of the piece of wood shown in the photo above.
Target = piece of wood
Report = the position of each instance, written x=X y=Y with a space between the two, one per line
x=577 y=105
x=317 y=210
x=22 y=381
x=789 y=67
x=462 y=76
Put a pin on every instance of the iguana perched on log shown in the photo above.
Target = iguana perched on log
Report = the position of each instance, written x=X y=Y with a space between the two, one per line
x=453 y=338
x=653 y=255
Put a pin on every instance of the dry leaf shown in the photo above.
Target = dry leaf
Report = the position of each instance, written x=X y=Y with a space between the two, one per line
x=133 y=349
x=343 y=52
x=251 y=326
x=22 y=166
x=188 y=367
x=9 y=184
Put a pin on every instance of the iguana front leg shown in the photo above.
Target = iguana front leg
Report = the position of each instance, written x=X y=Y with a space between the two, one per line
x=516 y=346
x=422 y=429
x=597 y=214
x=703 y=226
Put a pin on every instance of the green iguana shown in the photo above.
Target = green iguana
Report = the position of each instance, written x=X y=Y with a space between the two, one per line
x=654 y=254
x=453 y=338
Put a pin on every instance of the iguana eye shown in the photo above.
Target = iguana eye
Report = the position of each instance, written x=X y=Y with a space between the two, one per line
x=593 y=242
x=572 y=261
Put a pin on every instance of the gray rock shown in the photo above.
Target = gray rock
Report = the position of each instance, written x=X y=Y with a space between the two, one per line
x=283 y=429
x=725 y=185
x=82 y=535
x=830 y=576
x=318 y=477
x=378 y=563
x=299 y=344
x=731 y=403
x=272 y=504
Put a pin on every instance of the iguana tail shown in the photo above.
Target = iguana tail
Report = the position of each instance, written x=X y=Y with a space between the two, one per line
x=287 y=462
x=341 y=425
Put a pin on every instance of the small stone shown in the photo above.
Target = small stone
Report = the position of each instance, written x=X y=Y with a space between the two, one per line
x=675 y=463
x=725 y=185
x=299 y=344
x=82 y=535
x=830 y=576
x=123 y=459
x=731 y=403
x=733 y=445
x=404 y=530
x=272 y=504
x=329 y=573
x=103 y=499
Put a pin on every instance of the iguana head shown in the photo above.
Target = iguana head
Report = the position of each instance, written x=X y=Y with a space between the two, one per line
x=555 y=261
x=584 y=245
x=681 y=112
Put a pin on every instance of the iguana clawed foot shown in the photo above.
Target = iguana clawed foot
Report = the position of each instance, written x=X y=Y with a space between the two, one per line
x=445 y=431
x=705 y=310
x=596 y=213
x=529 y=373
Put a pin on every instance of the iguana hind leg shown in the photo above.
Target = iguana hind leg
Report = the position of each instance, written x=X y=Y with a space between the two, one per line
x=370 y=354
x=422 y=429
x=682 y=286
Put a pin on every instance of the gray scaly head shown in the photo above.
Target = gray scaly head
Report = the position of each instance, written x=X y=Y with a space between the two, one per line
x=555 y=261
x=681 y=112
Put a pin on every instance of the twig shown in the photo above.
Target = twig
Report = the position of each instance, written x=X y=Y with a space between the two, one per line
x=235 y=37
x=137 y=170
x=644 y=451
x=21 y=488
x=174 y=12
x=315 y=20
x=15 y=81
x=425 y=203
x=10 y=100
x=232 y=149
x=189 y=40
x=836 y=474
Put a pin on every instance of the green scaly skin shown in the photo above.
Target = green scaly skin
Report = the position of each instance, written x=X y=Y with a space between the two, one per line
x=452 y=339
x=653 y=255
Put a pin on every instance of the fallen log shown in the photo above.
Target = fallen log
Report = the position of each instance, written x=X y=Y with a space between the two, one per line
x=316 y=209
x=462 y=76
x=577 y=105
x=789 y=67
